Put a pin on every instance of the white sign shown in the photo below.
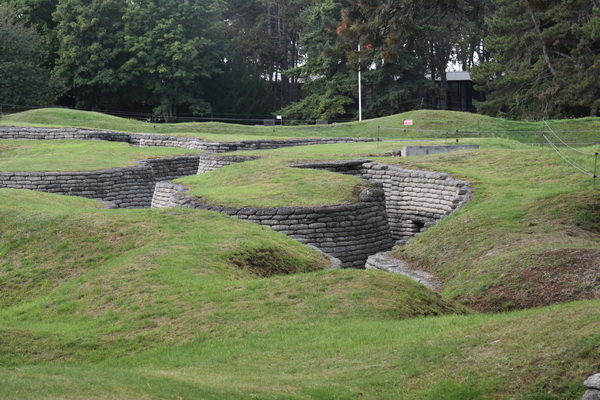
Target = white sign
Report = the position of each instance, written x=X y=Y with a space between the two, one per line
x=279 y=117
x=408 y=122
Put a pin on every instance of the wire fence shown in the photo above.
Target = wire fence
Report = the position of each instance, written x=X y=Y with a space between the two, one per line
x=585 y=159
x=232 y=118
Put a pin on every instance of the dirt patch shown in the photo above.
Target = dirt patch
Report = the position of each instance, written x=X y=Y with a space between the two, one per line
x=268 y=261
x=549 y=277
x=19 y=347
x=588 y=216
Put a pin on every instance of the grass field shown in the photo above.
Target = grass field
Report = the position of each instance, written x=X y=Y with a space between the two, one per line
x=147 y=304
x=189 y=304
x=76 y=155
x=427 y=124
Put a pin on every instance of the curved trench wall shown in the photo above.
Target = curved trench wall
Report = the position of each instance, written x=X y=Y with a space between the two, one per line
x=149 y=139
x=410 y=202
x=414 y=200
x=349 y=232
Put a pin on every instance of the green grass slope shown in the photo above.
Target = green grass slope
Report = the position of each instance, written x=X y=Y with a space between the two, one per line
x=75 y=155
x=426 y=124
x=530 y=237
x=138 y=304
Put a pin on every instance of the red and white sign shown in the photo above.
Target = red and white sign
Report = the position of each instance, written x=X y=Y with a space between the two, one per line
x=408 y=122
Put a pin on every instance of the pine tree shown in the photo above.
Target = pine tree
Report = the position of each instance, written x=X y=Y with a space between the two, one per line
x=545 y=60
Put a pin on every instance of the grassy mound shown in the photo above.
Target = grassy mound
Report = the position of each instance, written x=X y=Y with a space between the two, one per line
x=148 y=304
x=75 y=155
x=271 y=183
x=539 y=354
x=530 y=237
x=427 y=124
x=131 y=278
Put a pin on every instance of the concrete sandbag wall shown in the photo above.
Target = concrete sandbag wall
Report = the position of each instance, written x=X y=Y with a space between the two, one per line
x=123 y=187
x=416 y=200
x=209 y=163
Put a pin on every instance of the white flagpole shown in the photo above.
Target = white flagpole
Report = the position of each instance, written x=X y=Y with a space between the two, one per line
x=359 y=88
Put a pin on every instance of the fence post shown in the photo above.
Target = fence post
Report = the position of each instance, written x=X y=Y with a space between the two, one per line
x=596 y=167
x=543 y=134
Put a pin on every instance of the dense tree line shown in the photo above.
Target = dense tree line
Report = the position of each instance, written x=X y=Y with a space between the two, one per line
x=546 y=59
x=531 y=58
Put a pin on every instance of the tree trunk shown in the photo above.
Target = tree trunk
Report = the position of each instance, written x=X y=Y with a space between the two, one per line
x=444 y=88
x=536 y=23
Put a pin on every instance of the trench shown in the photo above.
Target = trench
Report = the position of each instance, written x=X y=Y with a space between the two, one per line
x=398 y=205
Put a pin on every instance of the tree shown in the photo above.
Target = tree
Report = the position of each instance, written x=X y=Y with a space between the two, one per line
x=172 y=46
x=38 y=14
x=398 y=84
x=435 y=32
x=247 y=84
x=266 y=34
x=393 y=81
x=23 y=78
x=144 y=54
x=92 y=51
x=545 y=59
x=329 y=81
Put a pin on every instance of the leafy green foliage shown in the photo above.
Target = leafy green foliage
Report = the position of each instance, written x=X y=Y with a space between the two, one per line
x=38 y=14
x=433 y=33
x=91 y=51
x=150 y=52
x=24 y=79
x=171 y=46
